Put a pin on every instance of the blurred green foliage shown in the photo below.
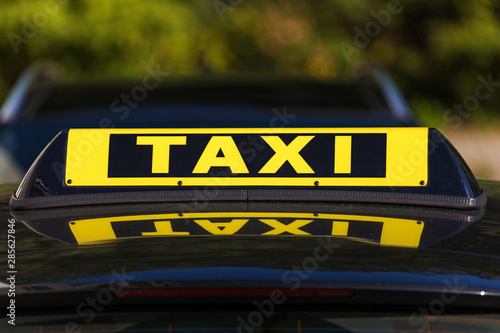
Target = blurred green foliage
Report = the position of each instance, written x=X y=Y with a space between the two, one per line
x=434 y=49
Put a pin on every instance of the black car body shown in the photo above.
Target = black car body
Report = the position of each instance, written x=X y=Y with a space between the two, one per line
x=116 y=259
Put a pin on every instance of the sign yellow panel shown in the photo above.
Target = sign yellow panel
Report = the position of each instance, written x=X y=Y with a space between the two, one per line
x=247 y=157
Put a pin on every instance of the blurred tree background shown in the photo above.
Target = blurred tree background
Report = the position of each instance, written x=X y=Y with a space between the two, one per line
x=435 y=50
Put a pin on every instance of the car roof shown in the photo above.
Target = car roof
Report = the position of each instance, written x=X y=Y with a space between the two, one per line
x=466 y=257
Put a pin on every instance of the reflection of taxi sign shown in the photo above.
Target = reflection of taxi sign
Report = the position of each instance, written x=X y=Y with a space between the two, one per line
x=383 y=225
x=377 y=230
x=247 y=157
x=412 y=166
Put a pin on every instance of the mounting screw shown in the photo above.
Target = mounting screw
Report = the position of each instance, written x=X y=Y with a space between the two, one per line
x=181 y=215
x=422 y=182
x=72 y=223
x=316 y=183
x=315 y=214
x=179 y=183
x=419 y=222
x=69 y=181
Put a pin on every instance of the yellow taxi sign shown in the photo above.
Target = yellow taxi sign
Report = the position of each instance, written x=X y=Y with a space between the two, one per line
x=370 y=229
x=247 y=157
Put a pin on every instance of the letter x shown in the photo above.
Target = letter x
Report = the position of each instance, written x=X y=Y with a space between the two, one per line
x=290 y=153
x=280 y=228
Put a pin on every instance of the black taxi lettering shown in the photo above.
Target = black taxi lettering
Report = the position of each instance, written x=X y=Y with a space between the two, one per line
x=284 y=155
x=231 y=227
